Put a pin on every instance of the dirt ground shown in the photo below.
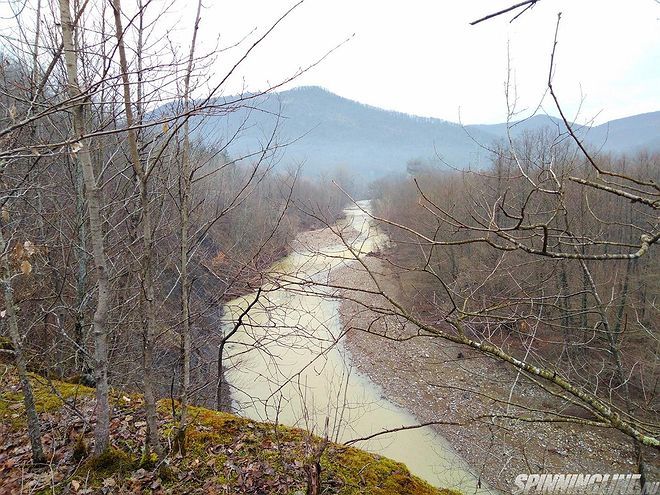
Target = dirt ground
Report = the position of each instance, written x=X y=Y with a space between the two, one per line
x=438 y=381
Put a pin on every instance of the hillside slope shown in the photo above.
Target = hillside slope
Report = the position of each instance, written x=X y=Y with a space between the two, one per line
x=224 y=453
x=325 y=131
x=626 y=135
x=630 y=134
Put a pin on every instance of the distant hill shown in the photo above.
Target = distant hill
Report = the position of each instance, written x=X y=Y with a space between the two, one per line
x=325 y=131
x=629 y=134
x=626 y=135
x=520 y=127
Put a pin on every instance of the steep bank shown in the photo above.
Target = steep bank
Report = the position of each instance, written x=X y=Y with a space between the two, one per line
x=224 y=453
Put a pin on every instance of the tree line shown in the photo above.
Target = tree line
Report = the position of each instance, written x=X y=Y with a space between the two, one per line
x=546 y=260
x=123 y=229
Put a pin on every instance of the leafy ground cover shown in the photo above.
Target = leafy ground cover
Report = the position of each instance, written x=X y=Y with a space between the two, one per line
x=224 y=453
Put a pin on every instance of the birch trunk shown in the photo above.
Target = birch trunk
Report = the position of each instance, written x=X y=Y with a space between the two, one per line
x=81 y=273
x=185 y=180
x=94 y=202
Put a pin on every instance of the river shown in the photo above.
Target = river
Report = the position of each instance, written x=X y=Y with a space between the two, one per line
x=287 y=363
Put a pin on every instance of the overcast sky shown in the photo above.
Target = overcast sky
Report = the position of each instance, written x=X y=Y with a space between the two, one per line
x=422 y=57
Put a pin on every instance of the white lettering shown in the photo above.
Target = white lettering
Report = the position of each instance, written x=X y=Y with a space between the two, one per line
x=563 y=482
x=520 y=484
x=595 y=484
x=532 y=482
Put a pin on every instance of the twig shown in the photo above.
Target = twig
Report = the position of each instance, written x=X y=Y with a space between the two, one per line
x=527 y=4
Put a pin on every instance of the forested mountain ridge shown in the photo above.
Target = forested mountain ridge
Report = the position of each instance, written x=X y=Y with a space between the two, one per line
x=325 y=131
x=626 y=135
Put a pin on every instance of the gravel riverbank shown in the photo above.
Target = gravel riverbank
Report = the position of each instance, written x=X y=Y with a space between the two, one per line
x=438 y=381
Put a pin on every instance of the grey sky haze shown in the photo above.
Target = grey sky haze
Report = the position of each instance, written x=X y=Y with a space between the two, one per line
x=422 y=57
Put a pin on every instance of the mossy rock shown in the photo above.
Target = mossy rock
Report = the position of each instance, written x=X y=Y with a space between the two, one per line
x=344 y=470
x=45 y=398
x=12 y=409
x=362 y=472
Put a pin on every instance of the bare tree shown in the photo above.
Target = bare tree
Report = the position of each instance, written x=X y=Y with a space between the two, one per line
x=185 y=182
x=34 y=427
x=143 y=173
x=80 y=147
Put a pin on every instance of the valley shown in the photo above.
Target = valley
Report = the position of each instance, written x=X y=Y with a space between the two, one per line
x=329 y=248
x=291 y=365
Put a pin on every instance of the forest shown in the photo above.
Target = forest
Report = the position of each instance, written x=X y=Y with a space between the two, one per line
x=128 y=222
x=123 y=234
x=547 y=256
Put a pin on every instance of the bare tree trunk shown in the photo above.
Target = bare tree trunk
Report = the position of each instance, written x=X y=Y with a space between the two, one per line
x=563 y=291
x=148 y=291
x=185 y=179
x=34 y=428
x=94 y=202
x=314 y=466
x=150 y=323
x=314 y=478
x=615 y=350
x=81 y=274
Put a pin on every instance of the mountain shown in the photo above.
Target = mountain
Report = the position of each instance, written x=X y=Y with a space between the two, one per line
x=520 y=127
x=626 y=135
x=325 y=131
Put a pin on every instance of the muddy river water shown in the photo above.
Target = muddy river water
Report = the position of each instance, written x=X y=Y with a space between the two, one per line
x=287 y=363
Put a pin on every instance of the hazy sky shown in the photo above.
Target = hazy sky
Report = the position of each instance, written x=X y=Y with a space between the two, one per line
x=422 y=57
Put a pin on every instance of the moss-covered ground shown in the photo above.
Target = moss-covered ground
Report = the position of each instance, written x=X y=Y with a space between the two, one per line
x=223 y=454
